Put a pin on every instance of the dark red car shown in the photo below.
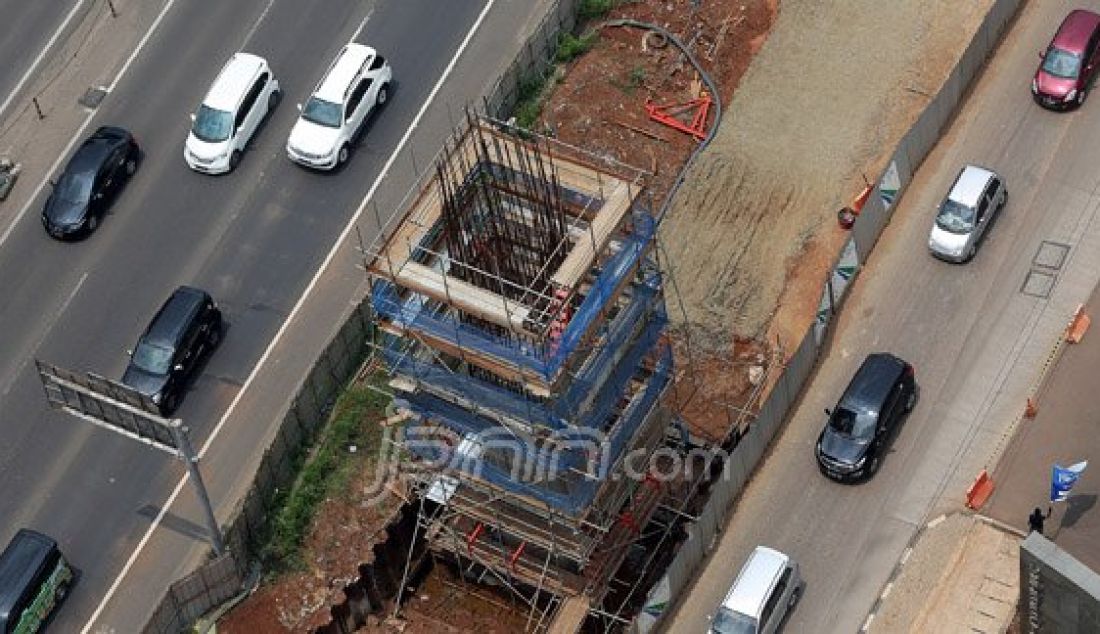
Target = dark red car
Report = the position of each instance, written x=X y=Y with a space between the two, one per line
x=1069 y=63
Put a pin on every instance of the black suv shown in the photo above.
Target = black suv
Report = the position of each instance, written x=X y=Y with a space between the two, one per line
x=854 y=440
x=185 y=329
x=92 y=179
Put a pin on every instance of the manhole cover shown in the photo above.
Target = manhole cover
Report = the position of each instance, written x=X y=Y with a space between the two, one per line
x=1051 y=255
x=93 y=97
x=1039 y=284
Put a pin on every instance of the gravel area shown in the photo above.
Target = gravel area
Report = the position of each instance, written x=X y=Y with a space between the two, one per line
x=834 y=88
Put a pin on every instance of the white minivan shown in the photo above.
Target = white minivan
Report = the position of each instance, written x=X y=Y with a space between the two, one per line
x=243 y=93
x=353 y=86
x=767 y=588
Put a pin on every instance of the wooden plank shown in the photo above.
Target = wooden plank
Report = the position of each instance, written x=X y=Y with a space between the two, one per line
x=467 y=297
x=570 y=615
x=508 y=371
x=583 y=254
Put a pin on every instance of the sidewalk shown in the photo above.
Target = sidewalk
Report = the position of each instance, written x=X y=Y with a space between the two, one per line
x=961 y=575
x=1065 y=430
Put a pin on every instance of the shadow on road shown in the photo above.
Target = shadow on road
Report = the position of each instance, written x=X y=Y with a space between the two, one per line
x=177 y=524
x=1077 y=506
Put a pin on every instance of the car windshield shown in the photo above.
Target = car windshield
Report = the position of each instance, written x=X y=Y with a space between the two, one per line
x=1061 y=63
x=322 y=112
x=727 y=621
x=955 y=217
x=852 y=424
x=75 y=188
x=212 y=125
x=152 y=358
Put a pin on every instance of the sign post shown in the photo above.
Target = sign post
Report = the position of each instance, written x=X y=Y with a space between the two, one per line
x=124 y=410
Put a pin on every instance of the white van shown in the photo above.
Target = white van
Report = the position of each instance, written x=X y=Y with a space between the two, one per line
x=767 y=588
x=243 y=93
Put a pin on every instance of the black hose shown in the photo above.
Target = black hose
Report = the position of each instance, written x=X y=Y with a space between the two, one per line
x=711 y=87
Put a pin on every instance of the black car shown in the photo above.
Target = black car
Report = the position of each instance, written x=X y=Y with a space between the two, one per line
x=94 y=176
x=185 y=329
x=855 y=438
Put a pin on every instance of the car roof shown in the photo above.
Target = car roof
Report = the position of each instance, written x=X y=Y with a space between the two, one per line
x=94 y=150
x=1076 y=30
x=756 y=579
x=872 y=381
x=233 y=81
x=173 y=317
x=334 y=85
x=21 y=560
x=970 y=184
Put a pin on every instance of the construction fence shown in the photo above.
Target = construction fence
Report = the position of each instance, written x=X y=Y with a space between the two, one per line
x=535 y=61
x=909 y=154
x=222 y=578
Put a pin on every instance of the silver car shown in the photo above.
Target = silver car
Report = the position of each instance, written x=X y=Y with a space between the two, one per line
x=767 y=588
x=965 y=215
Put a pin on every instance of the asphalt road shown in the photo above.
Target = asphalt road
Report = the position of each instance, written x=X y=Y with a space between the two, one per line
x=963 y=327
x=30 y=30
x=252 y=238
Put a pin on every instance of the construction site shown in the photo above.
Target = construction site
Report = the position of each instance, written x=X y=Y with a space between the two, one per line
x=522 y=315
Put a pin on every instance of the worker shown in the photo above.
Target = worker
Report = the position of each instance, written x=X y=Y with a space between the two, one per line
x=1036 y=519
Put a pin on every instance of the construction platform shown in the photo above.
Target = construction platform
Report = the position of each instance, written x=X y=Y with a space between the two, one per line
x=521 y=315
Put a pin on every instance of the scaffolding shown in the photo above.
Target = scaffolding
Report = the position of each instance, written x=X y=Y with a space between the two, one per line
x=521 y=308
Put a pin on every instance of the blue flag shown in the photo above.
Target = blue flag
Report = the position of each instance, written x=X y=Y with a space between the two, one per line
x=1062 y=480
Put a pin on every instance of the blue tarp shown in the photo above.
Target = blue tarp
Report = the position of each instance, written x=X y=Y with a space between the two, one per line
x=509 y=462
x=564 y=410
x=411 y=315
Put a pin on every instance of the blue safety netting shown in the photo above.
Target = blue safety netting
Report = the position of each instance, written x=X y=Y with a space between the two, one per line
x=586 y=401
x=415 y=315
x=552 y=472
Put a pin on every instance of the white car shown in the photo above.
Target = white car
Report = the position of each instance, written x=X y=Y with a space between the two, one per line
x=243 y=93
x=966 y=213
x=355 y=84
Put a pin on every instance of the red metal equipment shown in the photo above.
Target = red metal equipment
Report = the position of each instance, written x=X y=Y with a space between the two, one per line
x=669 y=114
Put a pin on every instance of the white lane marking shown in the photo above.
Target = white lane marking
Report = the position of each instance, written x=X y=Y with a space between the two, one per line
x=290 y=317
x=905 y=555
x=886 y=591
x=363 y=24
x=936 y=522
x=256 y=24
x=45 y=331
x=84 y=126
x=867 y=623
x=41 y=55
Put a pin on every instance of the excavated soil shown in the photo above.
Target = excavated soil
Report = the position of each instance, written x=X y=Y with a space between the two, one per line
x=833 y=89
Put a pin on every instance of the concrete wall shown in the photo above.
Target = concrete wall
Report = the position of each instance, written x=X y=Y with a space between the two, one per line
x=1058 y=594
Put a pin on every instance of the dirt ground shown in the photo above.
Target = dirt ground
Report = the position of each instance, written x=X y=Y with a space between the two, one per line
x=341 y=537
x=832 y=90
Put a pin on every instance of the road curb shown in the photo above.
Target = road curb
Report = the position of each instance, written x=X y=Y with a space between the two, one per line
x=896 y=571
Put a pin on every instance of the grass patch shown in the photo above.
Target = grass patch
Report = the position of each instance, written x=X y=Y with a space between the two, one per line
x=529 y=100
x=632 y=82
x=592 y=9
x=571 y=47
x=325 y=470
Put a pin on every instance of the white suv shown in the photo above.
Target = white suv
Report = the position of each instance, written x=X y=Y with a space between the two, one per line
x=352 y=87
x=244 y=92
